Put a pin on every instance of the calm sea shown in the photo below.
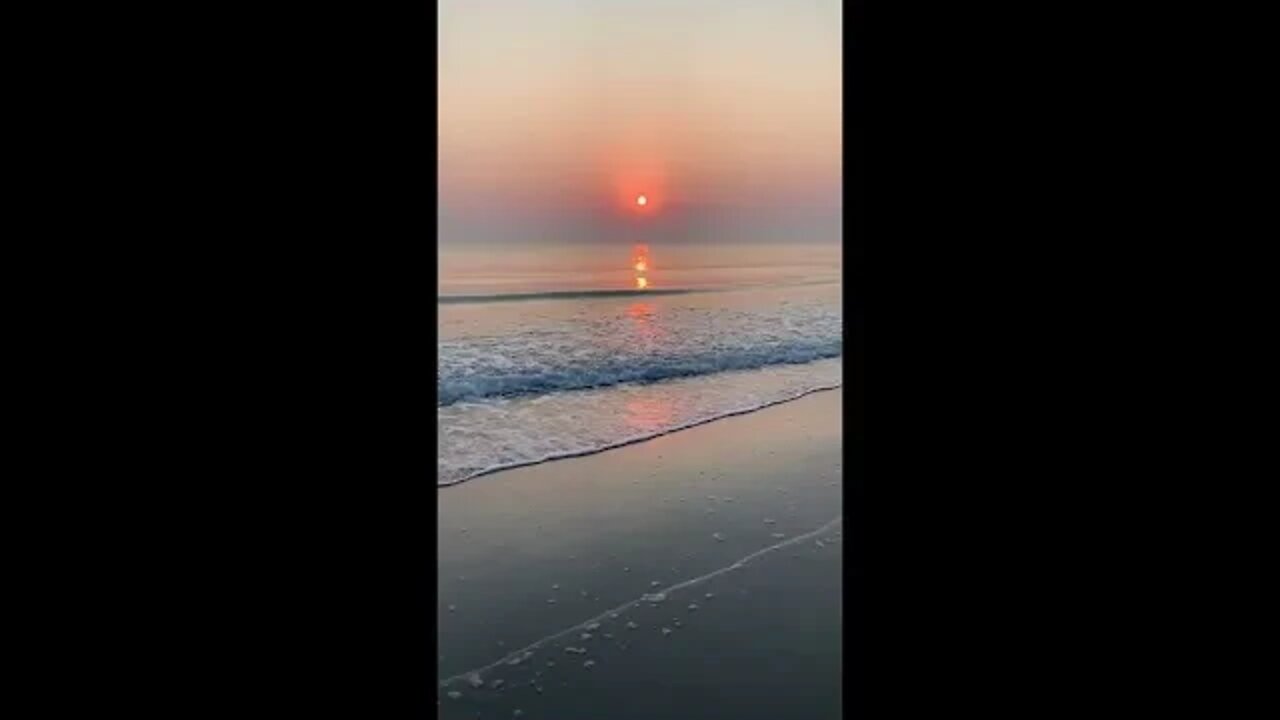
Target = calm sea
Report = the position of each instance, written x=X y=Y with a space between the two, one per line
x=565 y=350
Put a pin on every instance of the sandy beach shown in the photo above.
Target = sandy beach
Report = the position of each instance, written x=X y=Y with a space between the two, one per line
x=695 y=575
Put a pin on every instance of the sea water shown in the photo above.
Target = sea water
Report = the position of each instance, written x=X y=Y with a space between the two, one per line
x=556 y=352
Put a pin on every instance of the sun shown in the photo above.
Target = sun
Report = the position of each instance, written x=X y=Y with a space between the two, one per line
x=642 y=201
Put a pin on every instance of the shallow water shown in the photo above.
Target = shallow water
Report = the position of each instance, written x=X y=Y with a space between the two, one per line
x=646 y=532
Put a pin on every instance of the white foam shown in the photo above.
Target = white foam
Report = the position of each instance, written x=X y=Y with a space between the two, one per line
x=543 y=448
x=476 y=673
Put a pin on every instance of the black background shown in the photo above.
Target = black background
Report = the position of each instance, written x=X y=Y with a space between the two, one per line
x=268 y=548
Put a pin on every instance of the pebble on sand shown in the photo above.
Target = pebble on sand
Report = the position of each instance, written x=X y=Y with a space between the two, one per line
x=454 y=694
x=666 y=631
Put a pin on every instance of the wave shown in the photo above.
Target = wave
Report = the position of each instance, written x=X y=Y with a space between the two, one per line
x=610 y=293
x=559 y=295
x=635 y=438
x=503 y=380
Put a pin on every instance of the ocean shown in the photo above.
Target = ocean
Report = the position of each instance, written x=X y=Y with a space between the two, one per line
x=568 y=349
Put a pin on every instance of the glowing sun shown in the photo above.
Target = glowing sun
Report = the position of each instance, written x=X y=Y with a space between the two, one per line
x=642 y=201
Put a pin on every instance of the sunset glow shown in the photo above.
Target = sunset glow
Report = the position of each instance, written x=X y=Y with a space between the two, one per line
x=640 y=262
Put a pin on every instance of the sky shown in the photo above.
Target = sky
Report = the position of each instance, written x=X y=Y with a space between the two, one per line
x=555 y=114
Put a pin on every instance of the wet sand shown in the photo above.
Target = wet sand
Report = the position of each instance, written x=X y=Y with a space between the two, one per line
x=536 y=562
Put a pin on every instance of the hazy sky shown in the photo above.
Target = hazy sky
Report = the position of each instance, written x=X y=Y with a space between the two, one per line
x=555 y=114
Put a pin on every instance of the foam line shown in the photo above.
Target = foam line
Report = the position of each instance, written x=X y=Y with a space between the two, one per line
x=479 y=672
x=633 y=440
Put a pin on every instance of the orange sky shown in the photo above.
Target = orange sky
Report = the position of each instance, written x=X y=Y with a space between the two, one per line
x=560 y=107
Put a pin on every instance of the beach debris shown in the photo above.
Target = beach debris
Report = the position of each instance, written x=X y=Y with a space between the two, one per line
x=474 y=680
x=693 y=607
x=497 y=684
x=718 y=537
x=583 y=592
x=712 y=498
x=819 y=543
x=538 y=688
x=551 y=601
x=709 y=595
x=576 y=651
x=607 y=636
x=556 y=586
x=626 y=569
x=779 y=535
x=769 y=521
x=454 y=694
x=654 y=597
x=631 y=625
x=517 y=713
x=551 y=663
x=585 y=636
x=666 y=631
x=655 y=583
x=677 y=623
x=613 y=616
x=452 y=608
x=592 y=627
x=589 y=664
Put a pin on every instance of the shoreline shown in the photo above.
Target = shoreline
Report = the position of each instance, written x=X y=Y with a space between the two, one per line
x=638 y=439
x=706 y=562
